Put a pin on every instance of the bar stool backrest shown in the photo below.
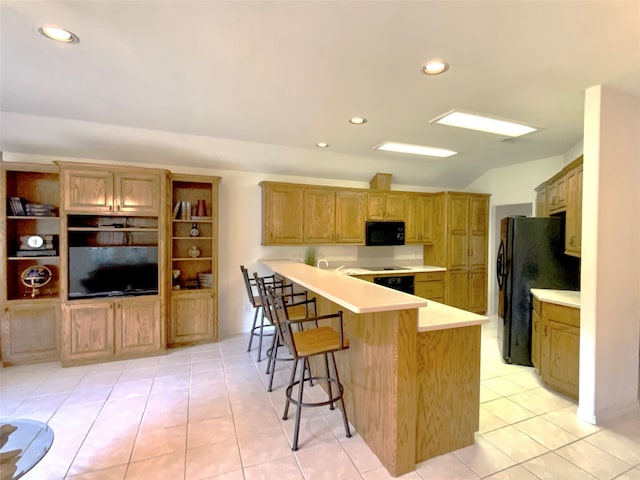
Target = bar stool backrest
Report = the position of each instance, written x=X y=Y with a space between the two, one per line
x=281 y=318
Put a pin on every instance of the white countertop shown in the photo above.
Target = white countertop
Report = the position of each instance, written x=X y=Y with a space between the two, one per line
x=438 y=316
x=366 y=297
x=568 y=298
x=355 y=295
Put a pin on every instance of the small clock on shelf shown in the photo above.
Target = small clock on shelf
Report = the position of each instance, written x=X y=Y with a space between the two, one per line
x=195 y=231
x=36 y=245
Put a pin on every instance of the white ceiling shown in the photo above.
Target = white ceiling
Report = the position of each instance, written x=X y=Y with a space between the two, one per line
x=254 y=85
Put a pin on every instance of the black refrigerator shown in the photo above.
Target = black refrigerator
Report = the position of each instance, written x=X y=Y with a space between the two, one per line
x=531 y=255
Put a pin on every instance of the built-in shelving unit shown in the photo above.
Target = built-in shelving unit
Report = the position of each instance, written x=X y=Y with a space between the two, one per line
x=30 y=243
x=194 y=260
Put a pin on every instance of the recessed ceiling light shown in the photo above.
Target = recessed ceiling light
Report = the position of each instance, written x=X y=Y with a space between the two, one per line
x=474 y=121
x=435 y=67
x=415 y=149
x=58 y=34
x=357 y=120
x=322 y=144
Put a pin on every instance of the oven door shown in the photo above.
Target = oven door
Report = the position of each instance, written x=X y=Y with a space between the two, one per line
x=402 y=283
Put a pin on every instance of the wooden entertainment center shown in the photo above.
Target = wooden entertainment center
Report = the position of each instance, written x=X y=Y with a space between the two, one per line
x=81 y=315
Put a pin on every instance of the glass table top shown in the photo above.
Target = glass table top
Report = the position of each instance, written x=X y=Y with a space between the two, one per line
x=23 y=443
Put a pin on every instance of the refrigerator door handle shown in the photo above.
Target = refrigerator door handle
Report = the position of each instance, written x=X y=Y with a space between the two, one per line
x=500 y=265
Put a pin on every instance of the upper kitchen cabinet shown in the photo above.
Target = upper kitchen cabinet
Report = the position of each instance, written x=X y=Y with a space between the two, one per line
x=386 y=206
x=562 y=195
x=319 y=215
x=294 y=214
x=350 y=216
x=282 y=214
x=541 y=201
x=419 y=218
x=573 y=234
x=111 y=190
x=460 y=245
x=556 y=194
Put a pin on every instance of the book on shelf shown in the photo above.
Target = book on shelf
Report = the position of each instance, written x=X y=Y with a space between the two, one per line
x=185 y=210
x=17 y=206
x=36 y=253
x=176 y=210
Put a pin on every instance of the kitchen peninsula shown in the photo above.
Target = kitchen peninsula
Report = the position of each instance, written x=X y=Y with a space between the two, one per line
x=412 y=373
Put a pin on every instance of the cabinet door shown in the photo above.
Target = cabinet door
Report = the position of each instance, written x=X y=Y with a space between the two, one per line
x=282 y=215
x=478 y=291
x=395 y=206
x=457 y=289
x=541 y=202
x=191 y=318
x=536 y=326
x=458 y=237
x=137 y=326
x=419 y=219
x=319 y=215
x=562 y=369
x=426 y=208
x=557 y=195
x=87 y=191
x=87 y=332
x=350 y=209
x=137 y=193
x=376 y=204
x=413 y=220
x=573 y=237
x=430 y=285
x=30 y=333
x=478 y=226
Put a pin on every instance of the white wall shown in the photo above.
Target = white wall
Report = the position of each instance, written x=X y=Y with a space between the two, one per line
x=610 y=283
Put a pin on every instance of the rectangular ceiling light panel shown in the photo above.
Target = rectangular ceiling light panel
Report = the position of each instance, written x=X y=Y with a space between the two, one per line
x=415 y=149
x=481 y=123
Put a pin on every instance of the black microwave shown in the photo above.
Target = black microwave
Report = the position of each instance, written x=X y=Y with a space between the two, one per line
x=378 y=233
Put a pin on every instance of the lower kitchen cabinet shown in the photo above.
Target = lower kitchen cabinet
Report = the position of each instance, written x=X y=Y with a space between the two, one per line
x=30 y=333
x=467 y=289
x=556 y=346
x=192 y=318
x=430 y=285
x=96 y=331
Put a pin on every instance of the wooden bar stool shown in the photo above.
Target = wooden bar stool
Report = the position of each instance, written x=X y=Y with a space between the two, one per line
x=304 y=308
x=258 y=329
x=303 y=345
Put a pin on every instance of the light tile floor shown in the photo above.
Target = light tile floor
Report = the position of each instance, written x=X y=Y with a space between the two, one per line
x=203 y=413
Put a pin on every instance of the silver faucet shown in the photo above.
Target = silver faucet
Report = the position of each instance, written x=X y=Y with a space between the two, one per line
x=326 y=263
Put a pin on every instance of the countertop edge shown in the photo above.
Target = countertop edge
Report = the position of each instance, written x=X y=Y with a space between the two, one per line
x=567 y=298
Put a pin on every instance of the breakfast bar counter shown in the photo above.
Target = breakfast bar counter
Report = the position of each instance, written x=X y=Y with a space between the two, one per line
x=411 y=375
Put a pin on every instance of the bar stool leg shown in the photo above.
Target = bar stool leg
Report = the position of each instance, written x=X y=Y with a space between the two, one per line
x=326 y=367
x=261 y=337
x=292 y=378
x=341 y=406
x=253 y=328
x=296 y=430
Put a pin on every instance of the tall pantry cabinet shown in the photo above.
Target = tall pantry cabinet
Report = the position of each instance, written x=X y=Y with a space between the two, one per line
x=193 y=317
x=460 y=244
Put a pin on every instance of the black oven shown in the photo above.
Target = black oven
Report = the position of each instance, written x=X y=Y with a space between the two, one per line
x=402 y=283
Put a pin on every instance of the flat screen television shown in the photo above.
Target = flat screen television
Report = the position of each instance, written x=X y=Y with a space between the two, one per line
x=113 y=271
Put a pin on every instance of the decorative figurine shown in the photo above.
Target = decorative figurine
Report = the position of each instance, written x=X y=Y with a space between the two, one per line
x=195 y=231
x=194 y=251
